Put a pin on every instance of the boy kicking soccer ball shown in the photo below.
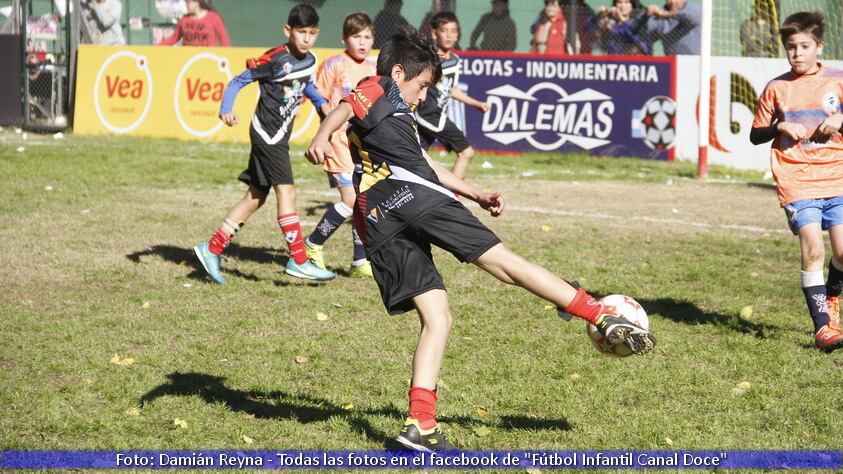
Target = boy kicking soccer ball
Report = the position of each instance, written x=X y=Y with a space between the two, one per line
x=801 y=112
x=406 y=203
x=285 y=75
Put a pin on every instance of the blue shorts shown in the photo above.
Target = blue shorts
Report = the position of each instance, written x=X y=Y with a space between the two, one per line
x=827 y=212
x=340 y=180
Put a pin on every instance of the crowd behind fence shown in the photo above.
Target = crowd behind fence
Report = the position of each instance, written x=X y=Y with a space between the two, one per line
x=746 y=28
x=739 y=27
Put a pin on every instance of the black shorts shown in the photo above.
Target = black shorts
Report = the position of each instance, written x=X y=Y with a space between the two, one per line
x=450 y=137
x=404 y=267
x=268 y=165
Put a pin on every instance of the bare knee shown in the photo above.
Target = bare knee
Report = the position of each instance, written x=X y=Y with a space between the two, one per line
x=813 y=255
x=467 y=154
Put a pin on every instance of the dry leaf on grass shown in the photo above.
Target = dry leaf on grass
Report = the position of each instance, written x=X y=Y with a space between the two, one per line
x=116 y=360
x=481 y=431
x=180 y=423
x=134 y=411
x=302 y=359
x=248 y=440
x=321 y=317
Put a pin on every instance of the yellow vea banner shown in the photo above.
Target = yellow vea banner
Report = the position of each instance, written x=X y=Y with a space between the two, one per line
x=172 y=92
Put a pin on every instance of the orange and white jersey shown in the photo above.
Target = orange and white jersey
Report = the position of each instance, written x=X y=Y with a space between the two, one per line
x=336 y=78
x=812 y=168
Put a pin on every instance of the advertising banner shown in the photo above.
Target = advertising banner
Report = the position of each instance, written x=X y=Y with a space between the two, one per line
x=613 y=105
x=169 y=92
x=605 y=106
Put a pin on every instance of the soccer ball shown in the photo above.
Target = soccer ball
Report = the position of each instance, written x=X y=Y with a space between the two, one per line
x=658 y=119
x=620 y=305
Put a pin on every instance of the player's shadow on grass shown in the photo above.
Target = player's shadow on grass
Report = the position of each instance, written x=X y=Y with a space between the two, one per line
x=303 y=408
x=689 y=313
x=186 y=256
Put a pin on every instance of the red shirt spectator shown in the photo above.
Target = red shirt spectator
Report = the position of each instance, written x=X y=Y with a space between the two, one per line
x=202 y=26
x=549 y=35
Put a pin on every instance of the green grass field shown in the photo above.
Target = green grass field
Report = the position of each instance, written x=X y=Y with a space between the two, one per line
x=95 y=251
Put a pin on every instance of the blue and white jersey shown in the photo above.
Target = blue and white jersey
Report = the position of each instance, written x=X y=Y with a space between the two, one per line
x=433 y=112
x=284 y=81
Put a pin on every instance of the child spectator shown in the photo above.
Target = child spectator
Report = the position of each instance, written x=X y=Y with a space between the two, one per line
x=285 y=75
x=336 y=78
x=406 y=204
x=550 y=31
x=801 y=112
x=432 y=113
x=202 y=26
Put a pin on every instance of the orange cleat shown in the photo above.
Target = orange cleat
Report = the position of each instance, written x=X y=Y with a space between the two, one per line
x=829 y=337
x=833 y=303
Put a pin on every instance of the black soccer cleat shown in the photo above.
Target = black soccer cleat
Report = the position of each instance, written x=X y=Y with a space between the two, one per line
x=619 y=330
x=417 y=439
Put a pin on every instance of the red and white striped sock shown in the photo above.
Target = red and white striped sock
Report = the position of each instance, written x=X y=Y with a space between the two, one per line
x=291 y=227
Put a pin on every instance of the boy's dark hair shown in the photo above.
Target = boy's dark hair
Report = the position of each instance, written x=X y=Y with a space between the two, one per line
x=441 y=18
x=812 y=23
x=355 y=23
x=411 y=50
x=303 y=16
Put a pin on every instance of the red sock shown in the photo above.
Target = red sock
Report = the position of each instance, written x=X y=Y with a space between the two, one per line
x=423 y=407
x=291 y=227
x=585 y=306
x=219 y=241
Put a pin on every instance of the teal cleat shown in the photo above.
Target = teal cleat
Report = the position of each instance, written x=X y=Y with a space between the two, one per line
x=309 y=271
x=210 y=262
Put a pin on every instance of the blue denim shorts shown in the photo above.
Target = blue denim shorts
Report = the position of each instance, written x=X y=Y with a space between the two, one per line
x=827 y=212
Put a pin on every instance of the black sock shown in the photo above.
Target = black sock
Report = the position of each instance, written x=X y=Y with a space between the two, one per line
x=834 y=285
x=815 y=297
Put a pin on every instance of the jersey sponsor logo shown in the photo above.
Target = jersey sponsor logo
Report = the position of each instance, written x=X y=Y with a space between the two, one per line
x=831 y=102
x=198 y=93
x=547 y=116
x=123 y=91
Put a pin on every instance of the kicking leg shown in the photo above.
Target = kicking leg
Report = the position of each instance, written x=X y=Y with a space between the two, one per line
x=512 y=269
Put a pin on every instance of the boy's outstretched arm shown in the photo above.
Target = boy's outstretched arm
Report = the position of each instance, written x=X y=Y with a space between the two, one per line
x=466 y=99
x=492 y=202
x=320 y=146
x=238 y=82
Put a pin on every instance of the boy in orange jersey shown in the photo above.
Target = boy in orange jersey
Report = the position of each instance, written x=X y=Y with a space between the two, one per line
x=800 y=110
x=336 y=78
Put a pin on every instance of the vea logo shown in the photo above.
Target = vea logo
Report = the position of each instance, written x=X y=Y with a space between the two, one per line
x=547 y=117
x=123 y=91
x=198 y=93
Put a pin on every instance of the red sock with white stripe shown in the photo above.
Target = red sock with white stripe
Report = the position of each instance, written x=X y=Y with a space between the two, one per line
x=291 y=227
x=423 y=407
x=223 y=236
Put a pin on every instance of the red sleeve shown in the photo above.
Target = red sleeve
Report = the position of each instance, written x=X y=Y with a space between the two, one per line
x=175 y=36
x=221 y=32
x=364 y=96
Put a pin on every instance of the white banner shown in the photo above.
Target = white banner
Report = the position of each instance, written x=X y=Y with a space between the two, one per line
x=736 y=85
